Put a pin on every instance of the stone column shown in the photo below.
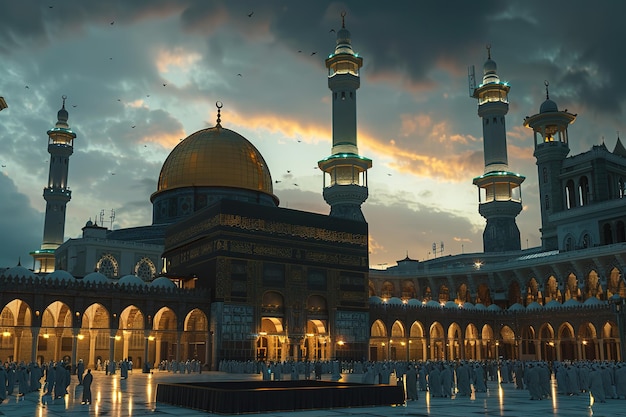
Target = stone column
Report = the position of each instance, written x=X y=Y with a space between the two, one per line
x=17 y=342
x=157 y=350
x=93 y=335
x=33 y=349
x=112 y=334
x=146 y=346
x=179 y=337
x=74 y=360
x=125 y=338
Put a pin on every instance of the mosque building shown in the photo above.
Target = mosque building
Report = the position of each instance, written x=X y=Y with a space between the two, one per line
x=224 y=272
x=563 y=300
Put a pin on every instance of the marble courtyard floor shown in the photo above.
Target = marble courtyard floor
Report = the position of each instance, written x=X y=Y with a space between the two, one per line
x=136 y=397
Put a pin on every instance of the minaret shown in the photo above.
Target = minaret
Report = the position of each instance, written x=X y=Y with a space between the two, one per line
x=500 y=192
x=57 y=193
x=345 y=169
x=551 y=149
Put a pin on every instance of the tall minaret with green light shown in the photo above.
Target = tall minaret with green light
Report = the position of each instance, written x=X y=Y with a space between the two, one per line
x=345 y=171
x=57 y=193
x=499 y=190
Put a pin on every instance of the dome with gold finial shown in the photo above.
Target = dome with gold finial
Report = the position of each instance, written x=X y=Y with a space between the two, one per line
x=215 y=163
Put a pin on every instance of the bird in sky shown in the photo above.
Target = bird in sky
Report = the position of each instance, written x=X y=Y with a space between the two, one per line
x=145 y=146
x=295 y=184
x=300 y=52
x=119 y=99
x=299 y=140
x=389 y=175
x=164 y=84
x=132 y=127
x=26 y=86
x=313 y=53
x=277 y=181
x=288 y=172
x=112 y=173
x=250 y=14
x=4 y=166
x=239 y=75
x=332 y=30
x=74 y=105
x=147 y=95
x=112 y=22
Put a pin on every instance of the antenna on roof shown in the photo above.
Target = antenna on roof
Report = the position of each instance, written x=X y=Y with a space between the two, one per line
x=471 y=78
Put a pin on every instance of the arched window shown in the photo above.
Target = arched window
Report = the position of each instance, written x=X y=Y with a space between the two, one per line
x=570 y=195
x=108 y=266
x=145 y=269
x=583 y=191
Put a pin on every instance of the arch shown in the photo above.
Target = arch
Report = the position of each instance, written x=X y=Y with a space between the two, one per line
x=417 y=342
x=567 y=342
x=165 y=319
x=108 y=266
x=527 y=339
x=94 y=335
x=444 y=293
x=570 y=195
x=615 y=284
x=532 y=292
x=387 y=289
x=569 y=242
x=585 y=240
x=471 y=342
x=508 y=343
x=462 y=294
x=408 y=290
x=583 y=190
x=571 y=288
x=483 y=295
x=378 y=329
x=551 y=290
x=546 y=340
x=488 y=346
x=515 y=293
x=587 y=335
x=196 y=326
x=455 y=341
x=593 y=286
x=56 y=330
x=145 y=269
x=316 y=304
x=437 y=341
x=372 y=289
x=397 y=329
x=273 y=301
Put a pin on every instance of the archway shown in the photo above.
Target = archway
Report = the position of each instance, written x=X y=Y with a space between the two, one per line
x=378 y=341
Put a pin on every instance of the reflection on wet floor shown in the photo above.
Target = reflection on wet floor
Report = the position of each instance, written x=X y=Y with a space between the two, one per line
x=135 y=397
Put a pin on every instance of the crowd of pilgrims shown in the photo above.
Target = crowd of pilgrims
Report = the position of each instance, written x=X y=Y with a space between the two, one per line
x=52 y=378
x=603 y=380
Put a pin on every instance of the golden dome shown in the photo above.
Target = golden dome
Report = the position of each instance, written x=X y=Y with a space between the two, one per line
x=216 y=157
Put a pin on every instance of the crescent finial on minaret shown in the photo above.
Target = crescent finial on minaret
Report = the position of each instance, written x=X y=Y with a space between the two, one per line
x=343 y=19
x=219 y=106
x=546 y=83
x=488 y=46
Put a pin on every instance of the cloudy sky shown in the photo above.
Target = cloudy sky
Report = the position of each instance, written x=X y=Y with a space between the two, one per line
x=141 y=75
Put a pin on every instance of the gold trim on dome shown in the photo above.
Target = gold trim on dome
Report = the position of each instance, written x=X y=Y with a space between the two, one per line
x=216 y=157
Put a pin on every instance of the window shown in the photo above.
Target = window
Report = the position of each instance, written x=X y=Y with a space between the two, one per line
x=547 y=202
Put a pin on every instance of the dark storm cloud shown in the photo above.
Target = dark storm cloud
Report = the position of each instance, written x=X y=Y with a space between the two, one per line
x=20 y=224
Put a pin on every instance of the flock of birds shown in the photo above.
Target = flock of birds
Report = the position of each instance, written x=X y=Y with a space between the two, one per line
x=286 y=176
